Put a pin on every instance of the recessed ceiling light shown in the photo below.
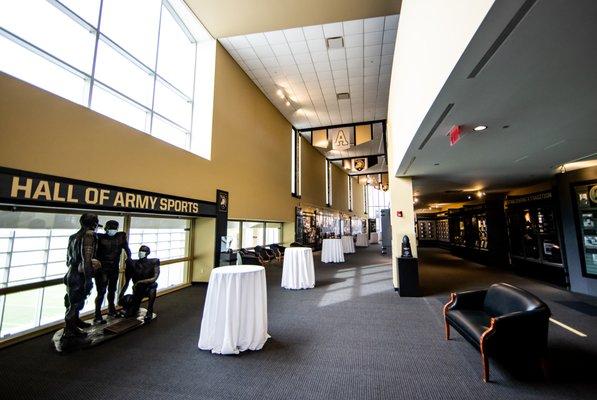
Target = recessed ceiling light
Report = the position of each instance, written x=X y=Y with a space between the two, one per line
x=280 y=93
x=287 y=103
x=479 y=128
x=335 y=42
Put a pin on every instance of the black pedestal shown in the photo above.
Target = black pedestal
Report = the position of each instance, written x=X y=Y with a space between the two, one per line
x=408 y=277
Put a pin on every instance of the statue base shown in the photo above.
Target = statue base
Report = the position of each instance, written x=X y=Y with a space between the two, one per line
x=99 y=333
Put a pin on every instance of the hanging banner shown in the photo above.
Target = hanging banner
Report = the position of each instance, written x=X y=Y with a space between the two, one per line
x=28 y=188
x=342 y=138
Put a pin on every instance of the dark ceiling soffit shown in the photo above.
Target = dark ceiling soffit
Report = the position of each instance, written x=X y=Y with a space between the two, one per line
x=353 y=158
x=435 y=126
x=520 y=14
x=412 y=160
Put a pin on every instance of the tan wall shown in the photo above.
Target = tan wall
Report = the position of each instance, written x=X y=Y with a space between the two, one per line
x=340 y=189
x=312 y=175
x=358 y=198
x=43 y=133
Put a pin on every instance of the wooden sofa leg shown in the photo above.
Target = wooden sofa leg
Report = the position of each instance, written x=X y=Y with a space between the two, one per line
x=485 y=363
x=448 y=304
x=482 y=349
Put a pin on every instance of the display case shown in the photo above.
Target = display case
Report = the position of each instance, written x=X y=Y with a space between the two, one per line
x=456 y=228
x=357 y=225
x=442 y=230
x=532 y=230
x=346 y=225
x=586 y=219
x=426 y=228
x=307 y=230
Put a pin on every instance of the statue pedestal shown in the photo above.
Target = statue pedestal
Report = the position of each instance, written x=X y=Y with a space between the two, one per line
x=99 y=333
x=408 y=277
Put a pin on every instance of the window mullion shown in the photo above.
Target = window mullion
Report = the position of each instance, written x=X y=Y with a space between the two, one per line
x=155 y=70
x=189 y=138
x=97 y=35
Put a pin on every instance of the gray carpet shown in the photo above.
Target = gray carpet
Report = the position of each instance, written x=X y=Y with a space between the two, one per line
x=352 y=337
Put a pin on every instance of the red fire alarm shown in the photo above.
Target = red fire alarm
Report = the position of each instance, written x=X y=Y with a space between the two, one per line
x=454 y=134
x=399 y=214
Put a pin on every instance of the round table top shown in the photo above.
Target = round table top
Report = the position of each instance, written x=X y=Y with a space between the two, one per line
x=237 y=269
x=298 y=249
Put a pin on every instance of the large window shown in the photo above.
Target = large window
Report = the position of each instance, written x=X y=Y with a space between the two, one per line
x=328 y=183
x=253 y=233
x=273 y=232
x=33 y=262
x=168 y=240
x=376 y=201
x=295 y=172
x=131 y=60
x=248 y=234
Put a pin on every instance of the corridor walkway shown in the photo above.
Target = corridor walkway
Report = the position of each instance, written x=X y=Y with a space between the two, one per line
x=351 y=337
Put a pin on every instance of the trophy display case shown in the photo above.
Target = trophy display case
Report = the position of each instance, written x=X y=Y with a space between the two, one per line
x=532 y=229
x=586 y=219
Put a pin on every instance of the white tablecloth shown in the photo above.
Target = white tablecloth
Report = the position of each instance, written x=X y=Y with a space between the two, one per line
x=362 y=240
x=332 y=251
x=235 y=312
x=374 y=237
x=348 y=244
x=298 y=271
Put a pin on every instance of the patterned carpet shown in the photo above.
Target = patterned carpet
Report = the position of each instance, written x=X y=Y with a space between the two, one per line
x=351 y=337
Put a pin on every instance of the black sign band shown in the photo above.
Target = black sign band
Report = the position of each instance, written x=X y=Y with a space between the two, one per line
x=28 y=188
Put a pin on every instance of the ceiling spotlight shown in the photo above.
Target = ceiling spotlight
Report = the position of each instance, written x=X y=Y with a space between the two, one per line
x=287 y=103
x=469 y=197
x=480 y=194
x=480 y=128
x=415 y=200
x=280 y=93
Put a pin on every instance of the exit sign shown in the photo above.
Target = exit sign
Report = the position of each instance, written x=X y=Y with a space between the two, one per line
x=454 y=134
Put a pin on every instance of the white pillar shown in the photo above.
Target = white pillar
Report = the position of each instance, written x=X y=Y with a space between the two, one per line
x=401 y=197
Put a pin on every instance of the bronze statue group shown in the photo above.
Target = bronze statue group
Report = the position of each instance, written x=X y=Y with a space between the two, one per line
x=92 y=256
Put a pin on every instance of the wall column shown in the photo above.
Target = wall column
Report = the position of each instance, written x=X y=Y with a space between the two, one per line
x=401 y=199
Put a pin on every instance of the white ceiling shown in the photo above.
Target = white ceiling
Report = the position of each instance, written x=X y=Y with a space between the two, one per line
x=298 y=62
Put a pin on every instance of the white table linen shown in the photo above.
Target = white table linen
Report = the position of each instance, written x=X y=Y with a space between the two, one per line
x=298 y=271
x=235 y=311
x=332 y=251
x=362 y=240
x=348 y=244
x=374 y=237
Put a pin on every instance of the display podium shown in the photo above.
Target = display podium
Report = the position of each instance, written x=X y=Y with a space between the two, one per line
x=408 y=277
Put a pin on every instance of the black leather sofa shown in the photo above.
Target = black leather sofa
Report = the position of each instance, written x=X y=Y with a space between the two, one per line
x=503 y=319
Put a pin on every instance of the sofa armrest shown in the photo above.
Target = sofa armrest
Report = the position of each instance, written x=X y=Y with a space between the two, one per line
x=471 y=300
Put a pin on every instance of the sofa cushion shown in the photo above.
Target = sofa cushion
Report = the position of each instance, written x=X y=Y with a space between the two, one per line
x=503 y=299
x=470 y=323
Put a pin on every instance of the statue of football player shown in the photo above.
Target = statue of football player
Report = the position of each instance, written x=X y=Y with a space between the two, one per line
x=81 y=266
x=110 y=246
x=144 y=273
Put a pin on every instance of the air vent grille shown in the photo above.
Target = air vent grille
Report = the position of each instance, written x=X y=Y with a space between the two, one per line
x=343 y=96
x=436 y=125
x=335 y=42
x=522 y=11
